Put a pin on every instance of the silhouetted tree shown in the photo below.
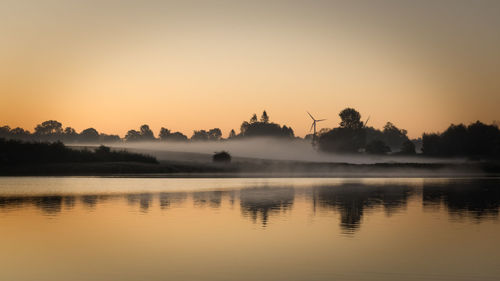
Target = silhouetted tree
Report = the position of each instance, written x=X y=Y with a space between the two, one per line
x=244 y=127
x=431 y=144
x=350 y=137
x=70 y=135
x=164 y=133
x=342 y=140
x=350 y=119
x=5 y=132
x=50 y=130
x=264 y=118
x=20 y=134
x=232 y=134
x=50 y=127
x=407 y=148
x=68 y=131
x=475 y=140
x=214 y=134
x=377 y=147
x=146 y=133
x=167 y=135
x=454 y=140
x=393 y=136
x=133 y=135
x=89 y=135
x=254 y=118
x=482 y=139
x=104 y=138
x=200 y=135
x=287 y=131
x=255 y=128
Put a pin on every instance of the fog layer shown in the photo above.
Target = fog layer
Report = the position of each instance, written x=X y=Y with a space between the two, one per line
x=262 y=148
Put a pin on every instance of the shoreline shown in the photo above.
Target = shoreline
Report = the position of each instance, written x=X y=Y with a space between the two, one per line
x=280 y=169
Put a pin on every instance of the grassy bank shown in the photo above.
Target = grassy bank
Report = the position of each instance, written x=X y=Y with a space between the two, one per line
x=251 y=169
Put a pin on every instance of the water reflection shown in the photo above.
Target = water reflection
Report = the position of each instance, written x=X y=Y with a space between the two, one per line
x=168 y=200
x=353 y=200
x=260 y=203
x=144 y=200
x=89 y=201
x=476 y=200
x=463 y=199
x=212 y=199
x=49 y=204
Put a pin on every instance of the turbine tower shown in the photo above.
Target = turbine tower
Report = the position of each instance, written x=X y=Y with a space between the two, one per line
x=313 y=125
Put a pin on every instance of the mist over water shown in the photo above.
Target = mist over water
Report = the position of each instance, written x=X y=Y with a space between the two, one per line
x=266 y=148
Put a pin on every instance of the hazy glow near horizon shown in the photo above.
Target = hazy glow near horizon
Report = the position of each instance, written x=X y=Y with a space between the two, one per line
x=185 y=65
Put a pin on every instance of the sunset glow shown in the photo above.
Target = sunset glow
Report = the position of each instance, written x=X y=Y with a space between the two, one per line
x=186 y=65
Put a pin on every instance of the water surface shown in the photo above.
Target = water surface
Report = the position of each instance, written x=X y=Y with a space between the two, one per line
x=84 y=228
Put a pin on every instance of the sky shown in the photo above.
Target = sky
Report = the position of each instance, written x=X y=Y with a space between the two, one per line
x=189 y=65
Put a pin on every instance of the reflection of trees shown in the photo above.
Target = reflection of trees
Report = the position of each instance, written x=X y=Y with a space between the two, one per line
x=50 y=205
x=476 y=199
x=69 y=202
x=89 y=201
x=212 y=199
x=262 y=202
x=167 y=199
x=143 y=199
x=7 y=203
x=351 y=200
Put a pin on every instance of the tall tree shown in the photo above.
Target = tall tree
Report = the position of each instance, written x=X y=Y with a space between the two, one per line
x=214 y=134
x=254 y=118
x=200 y=135
x=146 y=133
x=50 y=127
x=89 y=135
x=350 y=119
x=264 y=118
x=133 y=135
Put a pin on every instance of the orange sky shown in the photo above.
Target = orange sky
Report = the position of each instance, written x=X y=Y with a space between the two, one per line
x=185 y=65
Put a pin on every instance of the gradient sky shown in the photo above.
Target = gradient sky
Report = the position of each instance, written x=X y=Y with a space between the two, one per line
x=185 y=65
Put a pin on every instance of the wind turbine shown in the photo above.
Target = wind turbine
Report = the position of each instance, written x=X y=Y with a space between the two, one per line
x=366 y=122
x=313 y=125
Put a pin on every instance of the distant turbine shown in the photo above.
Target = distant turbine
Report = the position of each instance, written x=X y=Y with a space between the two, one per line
x=366 y=122
x=313 y=125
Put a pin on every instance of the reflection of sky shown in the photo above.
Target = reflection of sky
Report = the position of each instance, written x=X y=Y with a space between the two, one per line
x=170 y=63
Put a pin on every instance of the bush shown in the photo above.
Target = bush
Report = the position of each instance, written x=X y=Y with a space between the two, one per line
x=221 y=157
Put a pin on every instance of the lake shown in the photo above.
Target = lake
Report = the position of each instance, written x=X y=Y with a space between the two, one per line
x=91 y=228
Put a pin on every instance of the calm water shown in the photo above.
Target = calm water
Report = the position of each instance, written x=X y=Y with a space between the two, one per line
x=249 y=229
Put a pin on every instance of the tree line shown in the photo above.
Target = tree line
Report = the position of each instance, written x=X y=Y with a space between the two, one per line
x=351 y=136
x=477 y=140
x=53 y=130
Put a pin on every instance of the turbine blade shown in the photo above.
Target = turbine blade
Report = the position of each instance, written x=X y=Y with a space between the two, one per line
x=320 y=120
x=311 y=127
x=366 y=122
x=310 y=115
